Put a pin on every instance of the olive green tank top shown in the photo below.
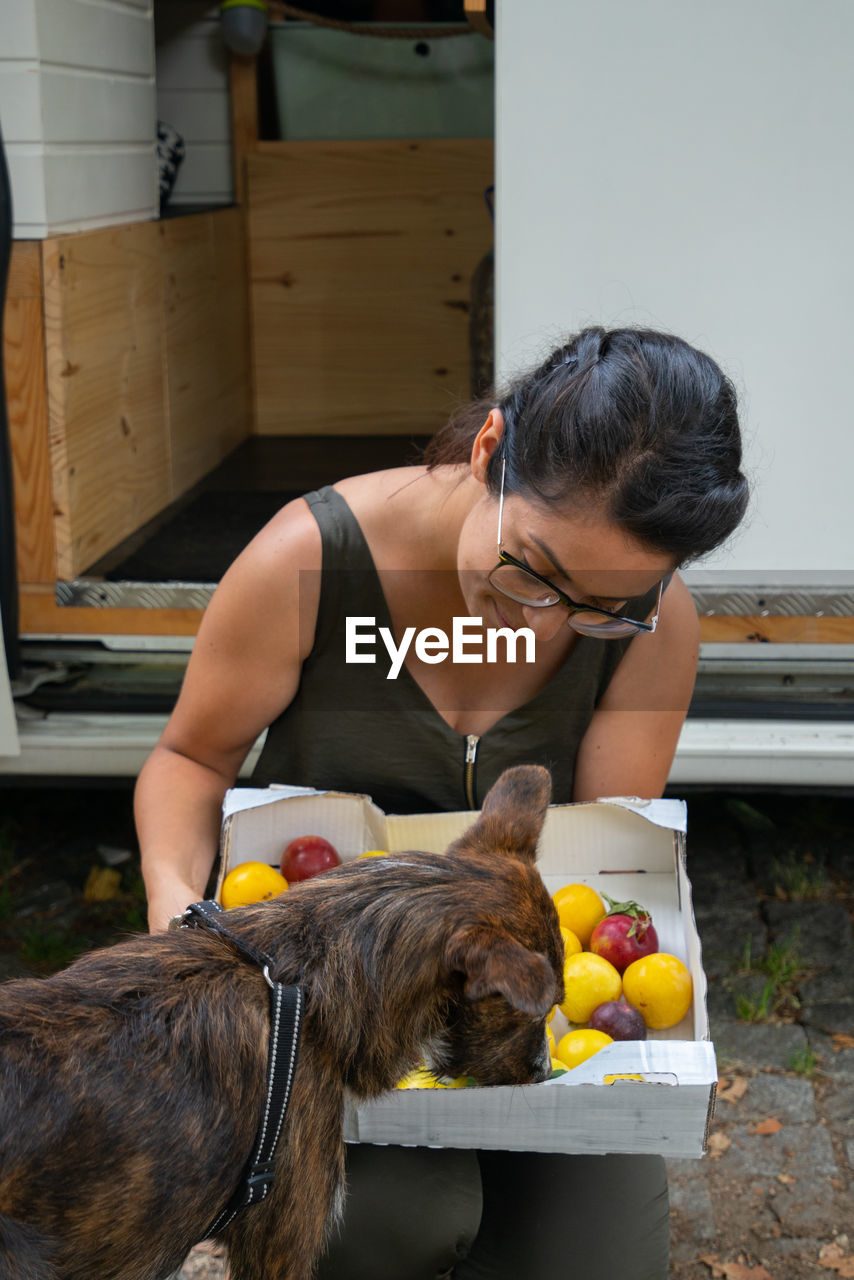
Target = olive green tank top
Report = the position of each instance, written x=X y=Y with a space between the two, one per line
x=349 y=728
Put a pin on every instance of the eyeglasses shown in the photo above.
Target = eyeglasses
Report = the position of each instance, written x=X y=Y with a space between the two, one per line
x=516 y=581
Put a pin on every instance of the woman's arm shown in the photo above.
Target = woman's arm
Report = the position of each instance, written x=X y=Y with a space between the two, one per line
x=243 y=671
x=629 y=746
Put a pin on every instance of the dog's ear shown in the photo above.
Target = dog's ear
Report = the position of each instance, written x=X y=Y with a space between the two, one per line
x=512 y=815
x=494 y=962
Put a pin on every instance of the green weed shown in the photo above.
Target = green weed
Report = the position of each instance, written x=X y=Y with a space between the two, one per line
x=804 y=1062
x=799 y=879
x=782 y=969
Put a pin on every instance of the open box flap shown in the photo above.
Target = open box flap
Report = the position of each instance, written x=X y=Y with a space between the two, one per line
x=658 y=1061
x=258 y=823
x=672 y=814
x=239 y=798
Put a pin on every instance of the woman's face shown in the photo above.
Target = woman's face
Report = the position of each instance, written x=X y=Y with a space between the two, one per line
x=583 y=553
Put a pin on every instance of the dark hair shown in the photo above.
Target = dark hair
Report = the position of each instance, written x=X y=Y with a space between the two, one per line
x=636 y=419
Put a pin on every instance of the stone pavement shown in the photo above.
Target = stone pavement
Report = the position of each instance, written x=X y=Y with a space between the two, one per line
x=773 y=893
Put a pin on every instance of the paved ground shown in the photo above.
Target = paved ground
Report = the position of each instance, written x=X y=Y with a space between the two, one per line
x=773 y=886
x=773 y=897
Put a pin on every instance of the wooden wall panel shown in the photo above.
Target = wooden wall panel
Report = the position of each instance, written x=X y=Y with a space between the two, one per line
x=361 y=256
x=109 y=425
x=23 y=357
x=205 y=300
x=146 y=332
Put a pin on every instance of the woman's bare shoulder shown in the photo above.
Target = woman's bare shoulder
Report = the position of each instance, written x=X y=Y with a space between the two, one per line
x=398 y=510
x=275 y=579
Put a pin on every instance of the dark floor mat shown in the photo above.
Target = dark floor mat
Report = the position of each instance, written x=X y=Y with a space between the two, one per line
x=200 y=541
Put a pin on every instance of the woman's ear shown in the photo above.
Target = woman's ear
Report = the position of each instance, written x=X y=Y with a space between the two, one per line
x=486 y=442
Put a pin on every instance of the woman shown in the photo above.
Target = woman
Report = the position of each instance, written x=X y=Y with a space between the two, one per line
x=565 y=506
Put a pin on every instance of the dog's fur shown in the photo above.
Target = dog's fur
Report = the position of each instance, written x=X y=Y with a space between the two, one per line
x=132 y=1083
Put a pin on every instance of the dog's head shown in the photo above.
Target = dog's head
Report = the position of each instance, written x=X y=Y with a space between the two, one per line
x=455 y=958
x=504 y=961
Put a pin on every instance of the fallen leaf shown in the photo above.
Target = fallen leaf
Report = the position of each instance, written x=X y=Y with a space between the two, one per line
x=841 y=1041
x=717 y=1144
x=734 y=1270
x=771 y=1125
x=735 y=1090
x=844 y=1267
x=786 y=1179
x=102 y=884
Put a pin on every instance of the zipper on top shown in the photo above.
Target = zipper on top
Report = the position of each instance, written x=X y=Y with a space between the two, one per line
x=470 y=770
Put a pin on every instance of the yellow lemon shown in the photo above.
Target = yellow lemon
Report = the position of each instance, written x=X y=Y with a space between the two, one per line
x=558 y=1065
x=660 y=988
x=571 y=945
x=551 y=1040
x=578 y=1046
x=251 y=882
x=551 y=1015
x=420 y=1078
x=589 y=980
x=579 y=909
x=374 y=853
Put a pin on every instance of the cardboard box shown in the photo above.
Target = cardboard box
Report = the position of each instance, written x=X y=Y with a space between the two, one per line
x=624 y=847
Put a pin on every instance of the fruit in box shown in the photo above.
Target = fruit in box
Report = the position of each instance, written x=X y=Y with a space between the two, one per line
x=308 y=856
x=625 y=934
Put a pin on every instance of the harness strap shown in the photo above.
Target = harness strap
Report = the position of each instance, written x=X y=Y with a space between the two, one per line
x=286 y=1004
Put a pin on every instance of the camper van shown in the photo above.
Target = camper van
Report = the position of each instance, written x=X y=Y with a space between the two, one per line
x=244 y=254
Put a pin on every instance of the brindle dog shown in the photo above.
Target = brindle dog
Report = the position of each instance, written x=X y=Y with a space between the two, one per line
x=132 y=1083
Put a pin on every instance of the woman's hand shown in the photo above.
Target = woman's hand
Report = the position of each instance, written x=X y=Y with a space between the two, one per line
x=166 y=903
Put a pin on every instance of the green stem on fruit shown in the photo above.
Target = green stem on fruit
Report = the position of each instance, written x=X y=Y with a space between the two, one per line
x=638 y=914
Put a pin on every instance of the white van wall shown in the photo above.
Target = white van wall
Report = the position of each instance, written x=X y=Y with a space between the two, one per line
x=192 y=96
x=687 y=166
x=77 y=105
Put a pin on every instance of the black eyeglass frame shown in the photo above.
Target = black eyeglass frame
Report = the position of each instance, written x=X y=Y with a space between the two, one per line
x=505 y=558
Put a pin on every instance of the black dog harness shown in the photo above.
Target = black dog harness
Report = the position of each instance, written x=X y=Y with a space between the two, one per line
x=286 y=1005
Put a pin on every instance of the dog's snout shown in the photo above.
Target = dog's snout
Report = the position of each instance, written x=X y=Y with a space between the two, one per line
x=543 y=1065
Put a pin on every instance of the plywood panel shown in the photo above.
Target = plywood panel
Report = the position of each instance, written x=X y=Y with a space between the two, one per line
x=40 y=615
x=147 y=372
x=361 y=255
x=109 y=427
x=735 y=629
x=23 y=357
x=206 y=333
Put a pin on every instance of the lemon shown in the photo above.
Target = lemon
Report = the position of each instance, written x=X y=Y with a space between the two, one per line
x=579 y=909
x=660 y=988
x=420 y=1078
x=589 y=980
x=374 y=853
x=577 y=1046
x=551 y=1041
x=251 y=882
x=571 y=945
